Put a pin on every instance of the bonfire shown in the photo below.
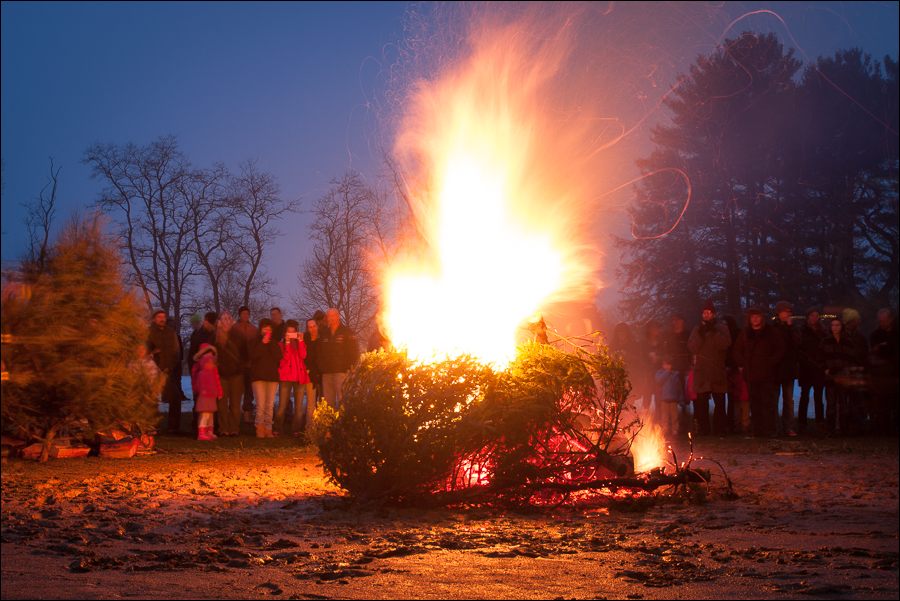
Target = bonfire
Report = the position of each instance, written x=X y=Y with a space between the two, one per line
x=549 y=428
x=465 y=408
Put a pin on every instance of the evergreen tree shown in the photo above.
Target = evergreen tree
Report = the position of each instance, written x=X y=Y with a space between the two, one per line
x=792 y=185
x=74 y=344
x=848 y=141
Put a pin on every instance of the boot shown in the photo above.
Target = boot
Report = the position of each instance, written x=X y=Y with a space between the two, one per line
x=203 y=433
x=211 y=433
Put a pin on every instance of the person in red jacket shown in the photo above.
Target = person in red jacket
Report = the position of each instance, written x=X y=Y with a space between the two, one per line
x=293 y=378
x=205 y=380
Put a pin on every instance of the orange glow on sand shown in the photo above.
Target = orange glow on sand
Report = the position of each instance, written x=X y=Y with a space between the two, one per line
x=494 y=185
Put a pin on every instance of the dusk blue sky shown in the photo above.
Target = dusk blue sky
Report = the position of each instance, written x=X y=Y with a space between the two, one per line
x=292 y=85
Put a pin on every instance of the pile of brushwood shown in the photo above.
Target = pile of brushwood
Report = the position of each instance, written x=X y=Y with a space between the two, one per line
x=457 y=431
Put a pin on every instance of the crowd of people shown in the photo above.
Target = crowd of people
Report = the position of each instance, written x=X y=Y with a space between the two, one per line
x=272 y=374
x=743 y=372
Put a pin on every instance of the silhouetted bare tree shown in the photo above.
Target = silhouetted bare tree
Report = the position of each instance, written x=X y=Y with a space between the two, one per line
x=38 y=221
x=194 y=238
x=145 y=193
x=256 y=202
x=212 y=239
x=348 y=226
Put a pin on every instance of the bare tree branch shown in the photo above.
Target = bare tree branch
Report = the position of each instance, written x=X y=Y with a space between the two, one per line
x=348 y=223
x=38 y=221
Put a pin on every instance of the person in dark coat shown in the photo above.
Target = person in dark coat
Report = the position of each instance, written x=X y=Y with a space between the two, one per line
x=738 y=402
x=674 y=346
x=278 y=324
x=337 y=352
x=204 y=334
x=709 y=342
x=758 y=351
x=838 y=355
x=231 y=375
x=245 y=332
x=166 y=352
x=265 y=359
x=811 y=369
x=787 y=367
x=311 y=340
x=858 y=394
x=860 y=345
x=173 y=325
x=883 y=362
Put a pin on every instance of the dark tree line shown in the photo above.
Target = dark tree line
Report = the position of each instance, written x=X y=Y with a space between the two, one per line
x=193 y=238
x=793 y=185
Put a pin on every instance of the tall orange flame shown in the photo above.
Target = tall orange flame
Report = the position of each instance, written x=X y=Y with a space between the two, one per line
x=492 y=170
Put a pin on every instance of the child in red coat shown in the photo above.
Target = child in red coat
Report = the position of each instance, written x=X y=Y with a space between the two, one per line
x=205 y=380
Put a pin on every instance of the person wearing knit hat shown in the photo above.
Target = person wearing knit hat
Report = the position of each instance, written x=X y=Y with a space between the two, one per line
x=787 y=367
x=783 y=305
x=709 y=342
x=207 y=389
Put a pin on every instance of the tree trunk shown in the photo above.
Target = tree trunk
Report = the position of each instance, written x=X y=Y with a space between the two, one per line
x=48 y=442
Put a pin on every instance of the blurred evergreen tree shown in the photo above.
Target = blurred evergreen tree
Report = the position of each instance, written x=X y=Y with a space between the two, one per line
x=74 y=341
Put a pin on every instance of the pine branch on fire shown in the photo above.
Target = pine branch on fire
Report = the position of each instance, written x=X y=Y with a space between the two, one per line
x=413 y=432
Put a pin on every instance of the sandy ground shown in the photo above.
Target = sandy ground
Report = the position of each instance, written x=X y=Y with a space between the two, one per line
x=238 y=518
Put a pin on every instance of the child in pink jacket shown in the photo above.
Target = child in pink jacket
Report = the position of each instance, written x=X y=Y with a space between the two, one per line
x=205 y=380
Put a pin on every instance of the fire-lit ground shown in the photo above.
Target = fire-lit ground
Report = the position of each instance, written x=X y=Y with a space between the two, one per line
x=246 y=518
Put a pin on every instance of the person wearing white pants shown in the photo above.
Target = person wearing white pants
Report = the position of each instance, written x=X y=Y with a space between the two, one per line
x=265 y=357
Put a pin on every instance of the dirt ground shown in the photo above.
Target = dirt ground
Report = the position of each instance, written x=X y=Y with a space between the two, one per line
x=247 y=518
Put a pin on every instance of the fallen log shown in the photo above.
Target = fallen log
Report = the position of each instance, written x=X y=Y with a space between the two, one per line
x=648 y=482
